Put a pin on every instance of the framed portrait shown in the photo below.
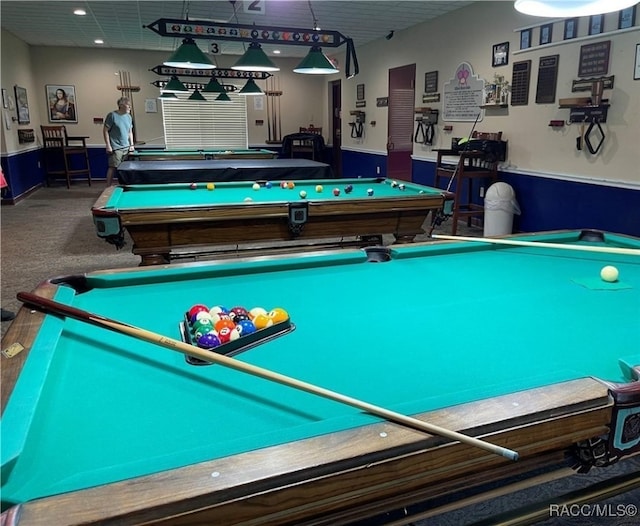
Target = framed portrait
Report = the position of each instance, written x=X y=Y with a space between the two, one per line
x=22 y=105
x=636 y=67
x=596 y=24
x=546 y=33
x=500 y=55
x=61 y=103
x=570 y=28
x=627 y=17
x=525 y=39
x=360 y=92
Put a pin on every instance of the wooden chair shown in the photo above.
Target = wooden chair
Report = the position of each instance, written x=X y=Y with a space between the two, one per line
x=64 y=156
x=304 y=145
x=467 y=166
x=311 y=129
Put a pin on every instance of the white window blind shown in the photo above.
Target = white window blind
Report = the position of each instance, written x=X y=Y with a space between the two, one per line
x=211 y=125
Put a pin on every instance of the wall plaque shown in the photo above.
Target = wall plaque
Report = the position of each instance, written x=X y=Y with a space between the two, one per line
x=520 y=79
x=431 y=82
x=594 y=59
x=547 y=79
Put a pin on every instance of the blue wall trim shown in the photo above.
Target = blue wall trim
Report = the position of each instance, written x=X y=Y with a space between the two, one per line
x=362 y=164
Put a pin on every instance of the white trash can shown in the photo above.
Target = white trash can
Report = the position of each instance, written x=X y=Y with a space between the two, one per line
x=499 y=206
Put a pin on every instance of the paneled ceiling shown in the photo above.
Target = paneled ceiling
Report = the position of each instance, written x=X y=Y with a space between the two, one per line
x=120 y=23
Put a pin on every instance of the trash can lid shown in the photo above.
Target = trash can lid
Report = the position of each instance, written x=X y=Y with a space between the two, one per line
x=501 y=191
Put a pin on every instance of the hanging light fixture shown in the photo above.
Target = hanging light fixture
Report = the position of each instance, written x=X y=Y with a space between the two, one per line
x=251 y=88
x=213 y=86
x=223 y=97
x=255 y=59
x=174 y=86
x=197 y=96
x=570 y=8
x=316 y=63
x=189 y=55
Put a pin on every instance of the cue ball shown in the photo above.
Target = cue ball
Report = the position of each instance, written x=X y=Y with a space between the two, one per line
x=303 y=194
x=609 y=274
x=256 y=186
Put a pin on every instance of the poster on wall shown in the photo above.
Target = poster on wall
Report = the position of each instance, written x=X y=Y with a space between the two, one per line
x=463 y=96
x=22 y=105
x=61 y=101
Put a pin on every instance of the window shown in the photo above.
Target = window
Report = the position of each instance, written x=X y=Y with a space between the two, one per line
x=212 y=125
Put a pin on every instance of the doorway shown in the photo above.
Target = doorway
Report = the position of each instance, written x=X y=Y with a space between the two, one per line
x=335 y=121
x=402 y=81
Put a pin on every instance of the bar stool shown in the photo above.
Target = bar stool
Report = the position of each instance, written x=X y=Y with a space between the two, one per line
x=64 y=155
x=471 y=165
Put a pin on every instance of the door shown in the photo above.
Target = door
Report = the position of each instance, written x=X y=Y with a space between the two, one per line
x=336 y=125
x=402 y=83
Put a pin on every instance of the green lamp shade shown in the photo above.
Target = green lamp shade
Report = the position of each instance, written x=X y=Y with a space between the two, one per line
x=223 y=97
x=168 y=96
x=213 y=86
x=251 y=88
x=196 y=95
x=316 y=63
x=254 y=59
x=189 y=55
x=174 y=86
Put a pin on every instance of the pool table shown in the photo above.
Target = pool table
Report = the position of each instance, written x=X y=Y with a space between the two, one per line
x=100 y=427
x=199 y=154
x=220 y=170
x=164 y=219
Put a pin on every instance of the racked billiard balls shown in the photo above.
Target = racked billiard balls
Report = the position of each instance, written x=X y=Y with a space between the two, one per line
x=262 y=321
x=197 y=308
x=256 y=311
x=221 y=324
x=245 y=327
x=278 y=315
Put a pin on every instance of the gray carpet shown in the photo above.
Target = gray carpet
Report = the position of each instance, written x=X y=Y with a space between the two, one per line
x=51 y=233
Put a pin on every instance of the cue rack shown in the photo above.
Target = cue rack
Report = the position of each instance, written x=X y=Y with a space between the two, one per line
x=128 y=90
x=274 y=119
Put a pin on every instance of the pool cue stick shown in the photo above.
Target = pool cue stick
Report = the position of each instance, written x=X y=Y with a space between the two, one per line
x=542 y=244
x=185 y=348
x=279 y=136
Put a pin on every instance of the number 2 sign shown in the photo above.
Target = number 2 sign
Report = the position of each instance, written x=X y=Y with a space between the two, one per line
x=255 y=7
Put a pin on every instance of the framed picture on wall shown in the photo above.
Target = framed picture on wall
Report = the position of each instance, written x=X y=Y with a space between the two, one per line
x=596 y=23
x=22 y=105
x=570 y=28
x=500 y=55
x=61 y=101
x=636 y=68
x=627 y=18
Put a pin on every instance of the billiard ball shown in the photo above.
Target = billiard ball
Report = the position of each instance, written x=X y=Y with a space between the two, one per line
x=208 y=340
x=319 y=188
x=348 y=189
x=238 y=310
x=336 y=192
x=211 y=186
x=278 y=315
x=609 y=274
x=394 y=184
x=291 y=185
x=402 y=187
x=247 y=199
x=197 y=308
x=262 y=321
x=221 y=324
x=303 y=194
x=370 y=191
x=218 y=308
x=257 y=311
x=283 y=184
x=245 y=327
x=193 y=186
x=227 y=335
x=268 y=184
x=217 y=316
x=200 y=315
x=255 y=186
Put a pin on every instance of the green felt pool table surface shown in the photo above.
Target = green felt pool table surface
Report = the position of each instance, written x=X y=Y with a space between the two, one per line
x=437 y=326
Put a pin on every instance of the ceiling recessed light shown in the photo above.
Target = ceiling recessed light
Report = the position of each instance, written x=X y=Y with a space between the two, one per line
x=98 y=41
x=79 y=12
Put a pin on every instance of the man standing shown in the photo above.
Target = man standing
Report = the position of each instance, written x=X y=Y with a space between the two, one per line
x=118 y=136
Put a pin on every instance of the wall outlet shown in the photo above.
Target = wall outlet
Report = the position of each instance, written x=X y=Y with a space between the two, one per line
x=377 y=170
x=482 y=191
x=39 y=164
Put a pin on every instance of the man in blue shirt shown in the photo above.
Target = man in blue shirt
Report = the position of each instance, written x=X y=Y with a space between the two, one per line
x=118 y=136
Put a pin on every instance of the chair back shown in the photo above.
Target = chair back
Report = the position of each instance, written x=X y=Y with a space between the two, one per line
x=311 y=129
x=54 y=136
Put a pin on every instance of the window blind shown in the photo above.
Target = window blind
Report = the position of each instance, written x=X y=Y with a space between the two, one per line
x=211 y=125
